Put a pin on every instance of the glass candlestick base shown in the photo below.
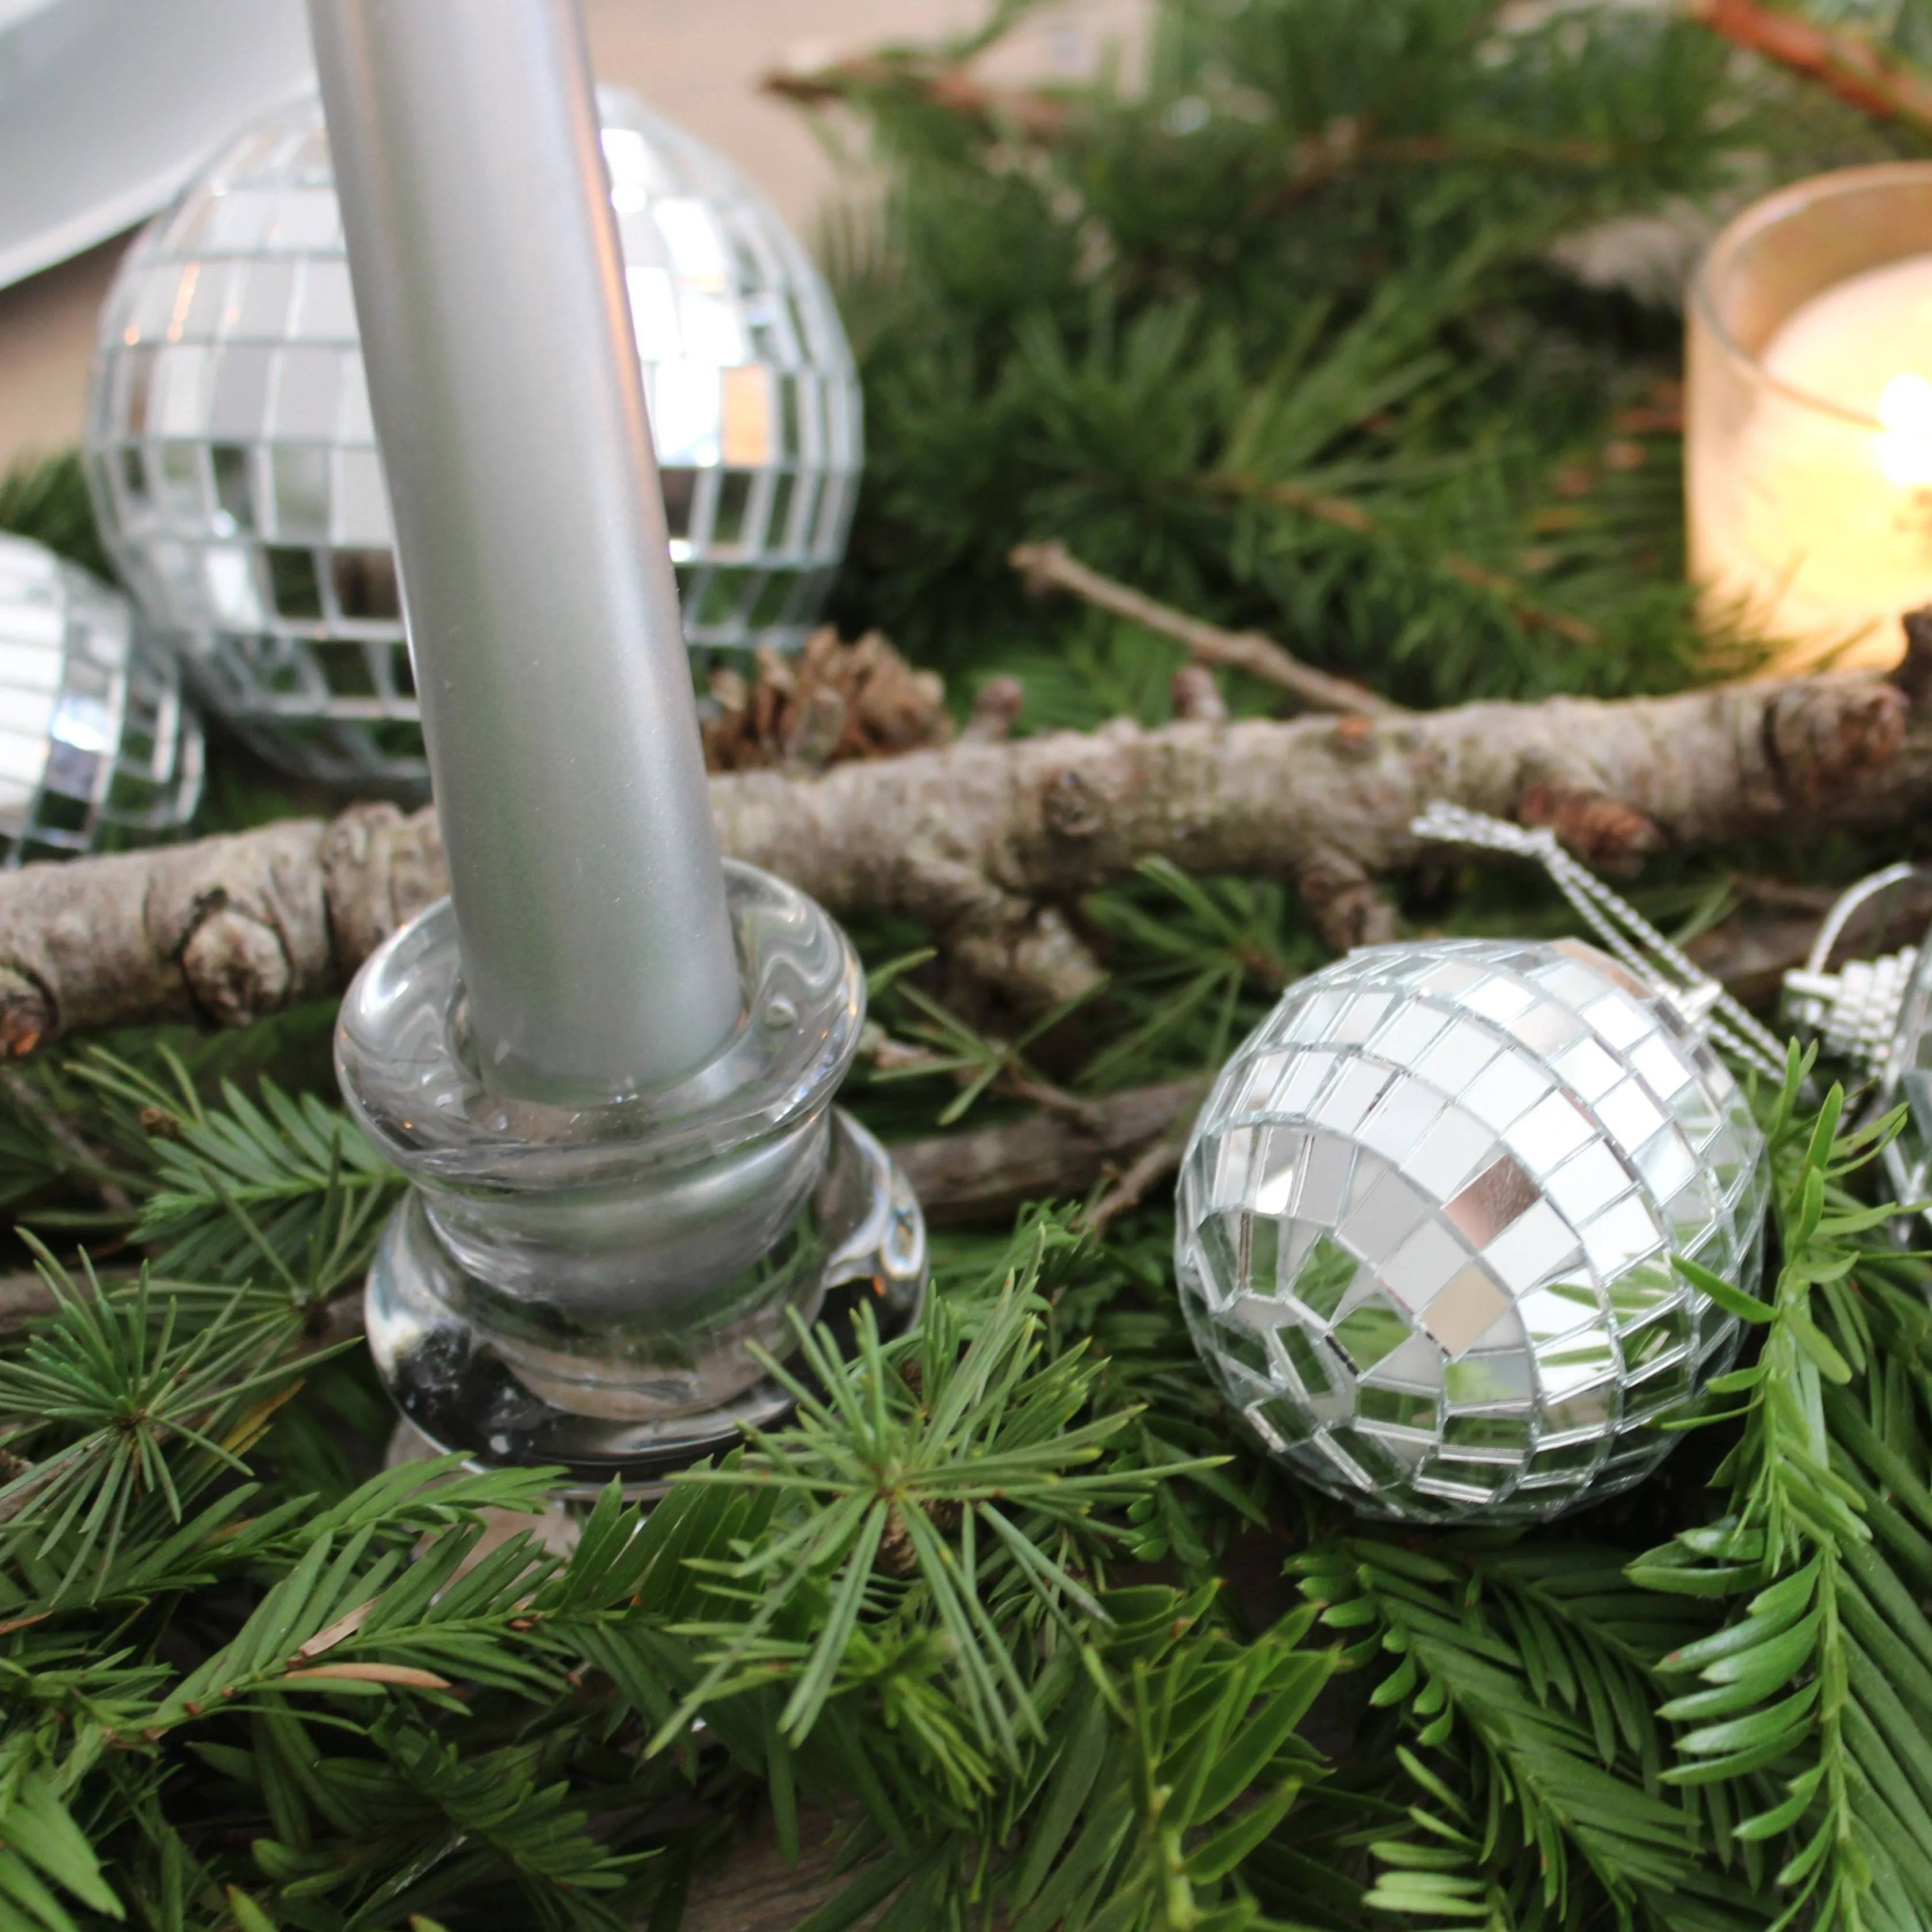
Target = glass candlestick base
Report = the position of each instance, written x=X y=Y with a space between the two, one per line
x=600 y=1283
x=860 y=1239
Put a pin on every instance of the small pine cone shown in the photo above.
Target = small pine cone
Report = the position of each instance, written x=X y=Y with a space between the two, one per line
x=897 y=708
x=830 y=702
x=815 y=727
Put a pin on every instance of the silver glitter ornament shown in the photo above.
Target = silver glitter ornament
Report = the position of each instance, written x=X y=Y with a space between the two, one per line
x=1426 y=1220
x=1875 y=1015
x=96 y=743
x=234 y=464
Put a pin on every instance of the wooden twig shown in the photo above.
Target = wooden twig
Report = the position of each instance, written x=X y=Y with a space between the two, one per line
x=1843 y=63
x=985 y=1174
x=1154 y=1164
x=1196 y=696
x=982 y=1174
x=1349 y=143
x=26 y=1299
x=1052 y=566
x=996 y=710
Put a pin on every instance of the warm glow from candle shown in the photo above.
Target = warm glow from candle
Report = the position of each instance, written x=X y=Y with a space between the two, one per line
x=1905 y=408
x=1811 y=501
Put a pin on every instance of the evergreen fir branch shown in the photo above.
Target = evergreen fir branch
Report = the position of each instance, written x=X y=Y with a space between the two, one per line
x=109 y=1375
x=44 y=1852
x=436 y=1825
x=1167 y=298
x=372 y=1625
x=32 y=1160
x=980 y=1064
x=917 y=1438
x=1798 y=1716
x=1195 y=1750
x=1208 y=957
x=1343 y=515
x=356 y=1615
x=1168 y=1763
x=1283 y=341
x=290 y=1184
x=1590 y=1640
x=1552 y=1754
x=1786 y=1500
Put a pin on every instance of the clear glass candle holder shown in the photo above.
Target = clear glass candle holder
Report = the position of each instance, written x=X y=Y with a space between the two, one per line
x=1810 y=522
x=601 y=1285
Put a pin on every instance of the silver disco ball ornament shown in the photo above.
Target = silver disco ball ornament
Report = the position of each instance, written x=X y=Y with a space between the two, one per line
x=1427 y=1221
x=234 y=469
x=96 y=746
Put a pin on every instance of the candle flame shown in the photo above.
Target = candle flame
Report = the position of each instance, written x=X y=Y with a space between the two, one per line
x=1905 y=408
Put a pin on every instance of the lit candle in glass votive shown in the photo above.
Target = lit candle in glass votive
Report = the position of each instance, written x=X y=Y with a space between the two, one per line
x=1808 y=418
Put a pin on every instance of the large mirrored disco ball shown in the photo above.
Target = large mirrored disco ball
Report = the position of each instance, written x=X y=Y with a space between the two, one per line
x=97 y=744
x=234 y=469
x=1426 y=1219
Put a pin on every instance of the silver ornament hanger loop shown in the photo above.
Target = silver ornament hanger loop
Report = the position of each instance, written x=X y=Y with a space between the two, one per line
x=1625 y=933
x=1855 y=1011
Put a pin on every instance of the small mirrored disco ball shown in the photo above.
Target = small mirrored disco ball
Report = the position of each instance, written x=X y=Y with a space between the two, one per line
x=234 y=465
x=1425 y=1221
x=95 y=739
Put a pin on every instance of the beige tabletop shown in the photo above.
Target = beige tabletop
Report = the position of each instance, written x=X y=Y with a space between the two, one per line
x=699 y=61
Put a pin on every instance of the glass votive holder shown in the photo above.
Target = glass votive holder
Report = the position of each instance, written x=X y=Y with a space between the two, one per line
x=1808 y=417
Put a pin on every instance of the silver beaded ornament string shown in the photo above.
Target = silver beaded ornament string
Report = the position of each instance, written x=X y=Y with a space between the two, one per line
x=1625 y=933
x=1855 y=1012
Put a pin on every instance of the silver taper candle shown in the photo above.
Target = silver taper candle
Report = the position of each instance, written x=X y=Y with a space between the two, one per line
x=556 y=696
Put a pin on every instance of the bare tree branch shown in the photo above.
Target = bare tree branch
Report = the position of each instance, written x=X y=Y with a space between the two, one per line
x=991 y=845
